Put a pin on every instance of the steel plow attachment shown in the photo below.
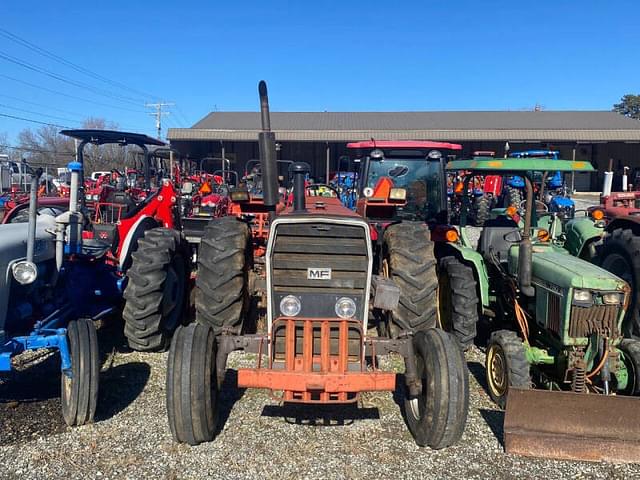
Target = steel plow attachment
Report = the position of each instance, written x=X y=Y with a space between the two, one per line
x=571 y=426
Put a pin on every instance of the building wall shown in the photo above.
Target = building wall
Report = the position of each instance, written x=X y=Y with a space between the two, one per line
x=314 y=153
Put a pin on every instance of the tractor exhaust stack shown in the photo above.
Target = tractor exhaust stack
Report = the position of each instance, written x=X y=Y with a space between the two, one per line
x=33 y=214
x=267 y=145
x=572 y=426
x=300 y=171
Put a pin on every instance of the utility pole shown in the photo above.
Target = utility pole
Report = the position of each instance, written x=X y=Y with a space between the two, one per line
x=158 y=114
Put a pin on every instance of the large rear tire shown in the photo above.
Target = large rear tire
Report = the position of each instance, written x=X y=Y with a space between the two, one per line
x=619 y=253
x=192 y=388
x=80 y=388
x=514 y=197
x=221 y=284
x=457 y=300
x=437 y=417
x=506 y=366
x=157 y=292
x=410 y=262
x=481 y=210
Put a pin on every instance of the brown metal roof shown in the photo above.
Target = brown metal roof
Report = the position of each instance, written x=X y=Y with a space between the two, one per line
x=452 y=126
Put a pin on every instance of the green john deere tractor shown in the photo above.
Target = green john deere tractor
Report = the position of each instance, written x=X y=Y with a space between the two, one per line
x=555 y=323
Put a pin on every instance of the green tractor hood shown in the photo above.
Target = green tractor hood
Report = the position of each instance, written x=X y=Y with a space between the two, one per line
x=566 y=271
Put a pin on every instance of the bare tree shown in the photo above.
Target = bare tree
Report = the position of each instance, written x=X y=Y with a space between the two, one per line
x=46 y=146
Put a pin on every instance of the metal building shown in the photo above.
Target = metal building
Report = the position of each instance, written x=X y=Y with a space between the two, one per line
x=320 y=138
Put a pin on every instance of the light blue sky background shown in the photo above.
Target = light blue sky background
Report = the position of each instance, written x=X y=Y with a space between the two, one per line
x=321 y=55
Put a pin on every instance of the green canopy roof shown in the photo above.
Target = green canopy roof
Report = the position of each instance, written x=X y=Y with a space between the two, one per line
x=519 y=165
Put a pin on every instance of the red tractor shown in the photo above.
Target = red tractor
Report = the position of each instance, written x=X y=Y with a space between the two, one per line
x=317 y=282
x=147 y=245
x=619 y=249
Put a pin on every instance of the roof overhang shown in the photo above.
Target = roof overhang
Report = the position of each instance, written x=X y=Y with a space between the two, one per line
x=497 y=135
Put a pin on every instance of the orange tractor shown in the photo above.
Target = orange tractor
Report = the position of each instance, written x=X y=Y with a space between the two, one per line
x=311 y=271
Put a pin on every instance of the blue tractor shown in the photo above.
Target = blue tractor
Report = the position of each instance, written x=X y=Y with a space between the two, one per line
x=54 y=286
x=553 y=190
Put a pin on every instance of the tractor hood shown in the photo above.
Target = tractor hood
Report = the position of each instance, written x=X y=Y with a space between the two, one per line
x=566 y=271
x=13 y=241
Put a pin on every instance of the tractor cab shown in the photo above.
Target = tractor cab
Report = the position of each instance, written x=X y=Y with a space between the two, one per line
x=402 y=179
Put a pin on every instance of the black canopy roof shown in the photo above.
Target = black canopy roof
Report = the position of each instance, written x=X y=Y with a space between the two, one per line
x=100 y=137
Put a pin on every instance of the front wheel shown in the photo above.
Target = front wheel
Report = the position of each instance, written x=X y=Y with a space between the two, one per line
x=192 y=387
x=631 y=352
x=437 y=416
x=80 y=386
x=506 y=366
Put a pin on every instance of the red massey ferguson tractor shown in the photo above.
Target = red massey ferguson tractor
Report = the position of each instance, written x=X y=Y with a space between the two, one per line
x=147 y=245
x=318 y=283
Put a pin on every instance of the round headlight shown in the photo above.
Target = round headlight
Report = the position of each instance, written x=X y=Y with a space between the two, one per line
x=87 y=197
x=345 y=307
x=377 y=154
x=24 y=272
x=96 y=197
x=290 y=306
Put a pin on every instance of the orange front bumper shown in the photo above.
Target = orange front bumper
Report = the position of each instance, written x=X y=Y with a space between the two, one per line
x=328 y=382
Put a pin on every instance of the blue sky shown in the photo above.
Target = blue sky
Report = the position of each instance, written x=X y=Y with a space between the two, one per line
x=321 y=55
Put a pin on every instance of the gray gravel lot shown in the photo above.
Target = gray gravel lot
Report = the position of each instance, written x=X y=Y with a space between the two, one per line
x=131 y=439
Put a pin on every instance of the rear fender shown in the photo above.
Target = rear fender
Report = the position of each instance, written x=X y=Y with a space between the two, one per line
x=129 y=243
x=580 y=234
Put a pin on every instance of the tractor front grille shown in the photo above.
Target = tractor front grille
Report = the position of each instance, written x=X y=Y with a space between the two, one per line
x=339 y=251
x=553 y=313
x=600 y=319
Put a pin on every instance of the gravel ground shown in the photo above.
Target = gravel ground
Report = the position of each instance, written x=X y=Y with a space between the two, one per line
x=131 y=438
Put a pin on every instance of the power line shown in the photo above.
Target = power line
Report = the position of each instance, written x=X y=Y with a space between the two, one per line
x=74 y=66
x=118 y=107
x=184 y=117
x=37 y=150
x=40 y=114
x=32 y=121
x=35 y=104
x=44 y=71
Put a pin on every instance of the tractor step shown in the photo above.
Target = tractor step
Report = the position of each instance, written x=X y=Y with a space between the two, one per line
x=572 y=426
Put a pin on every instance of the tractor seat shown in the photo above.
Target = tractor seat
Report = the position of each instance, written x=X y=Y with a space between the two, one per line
x=498 y=235
x=122 y=198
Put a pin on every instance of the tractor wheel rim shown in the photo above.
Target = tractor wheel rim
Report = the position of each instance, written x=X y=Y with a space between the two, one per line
x=66 y=385
x=414 y=407
x=618 y=265
x=497 y=374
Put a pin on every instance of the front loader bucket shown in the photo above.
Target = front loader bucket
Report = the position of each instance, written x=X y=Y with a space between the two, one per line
x=572 y=426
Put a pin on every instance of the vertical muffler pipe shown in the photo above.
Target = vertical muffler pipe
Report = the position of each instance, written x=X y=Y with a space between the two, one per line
x=33 y=214
x=299 y=170
x=525 y=252
x=267 y=145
